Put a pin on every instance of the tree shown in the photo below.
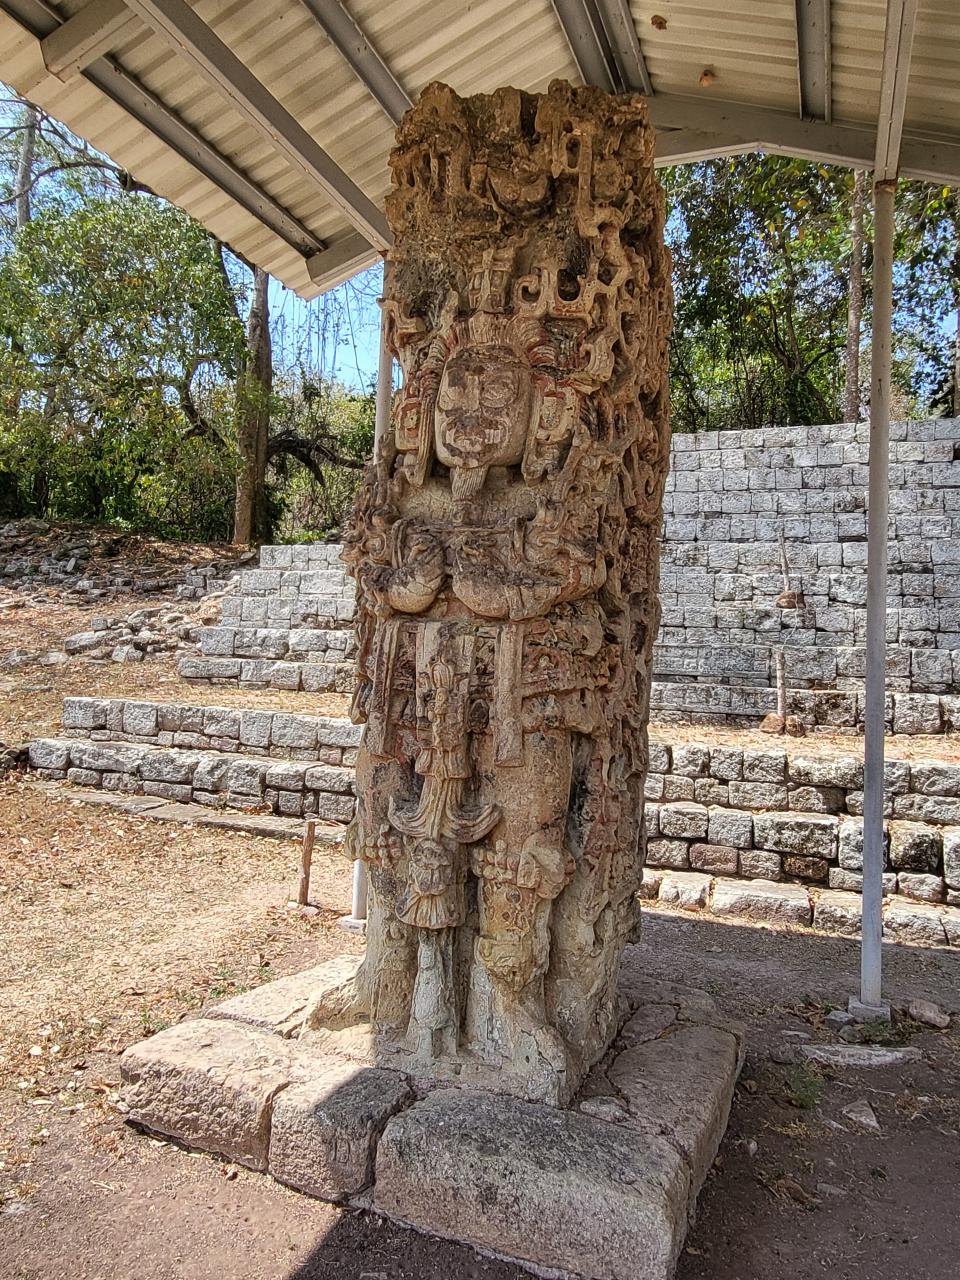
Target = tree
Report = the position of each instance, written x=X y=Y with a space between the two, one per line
x=758 y=245
x=252 y=418
x=928 y=286
x=851 y=391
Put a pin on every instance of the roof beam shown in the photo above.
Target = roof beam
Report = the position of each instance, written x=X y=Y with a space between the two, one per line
x=40 y=21
x=341 y=260
x=814 y=63
x=894 y=79
x=369 y=68
x=93 y=31
x=624 y=43
x=189 y=36
x=686 y=128
x=584 y=31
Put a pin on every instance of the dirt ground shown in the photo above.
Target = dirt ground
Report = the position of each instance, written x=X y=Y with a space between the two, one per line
x=114 y=926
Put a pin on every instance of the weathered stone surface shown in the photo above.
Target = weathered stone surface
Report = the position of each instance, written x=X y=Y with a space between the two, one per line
x=685 y=820
x=717 y=859
x=210 y=1084
x=280 y=1006
x=858 y=1056
x=686 y=889
x=929 y=1014
x=762 y=900
x=852 y=881
x=760 y=864
x=914 y=847
x=681 y=1085
x=922 y=887
x=551 y=1189
x=324 y=1132
x=809 y=834
x=799 y=868
x=731 y=827
x=668 y=853
x=836 y=912
x=482 y=782
x=914 y=922
x=951 y=857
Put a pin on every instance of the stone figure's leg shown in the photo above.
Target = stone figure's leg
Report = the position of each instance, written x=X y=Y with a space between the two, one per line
x=433 y=1017
x=521 y=871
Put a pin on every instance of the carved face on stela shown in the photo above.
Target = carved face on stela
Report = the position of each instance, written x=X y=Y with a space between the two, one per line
x=483 y=413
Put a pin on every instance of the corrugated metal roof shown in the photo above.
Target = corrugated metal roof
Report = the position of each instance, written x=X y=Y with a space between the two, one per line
x=749 y=49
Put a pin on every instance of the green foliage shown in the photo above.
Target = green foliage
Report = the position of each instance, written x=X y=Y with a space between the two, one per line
x=118 y=333
x=759 y=250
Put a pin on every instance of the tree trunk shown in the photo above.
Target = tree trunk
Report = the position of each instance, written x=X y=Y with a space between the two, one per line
x=254 y=388
x=851 y=396
x=24 y=178
x=956 y=369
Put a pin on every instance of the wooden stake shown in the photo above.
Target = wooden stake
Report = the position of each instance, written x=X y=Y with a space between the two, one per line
x=309 y=836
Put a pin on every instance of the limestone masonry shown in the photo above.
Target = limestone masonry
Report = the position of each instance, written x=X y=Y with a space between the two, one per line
x=731 y=496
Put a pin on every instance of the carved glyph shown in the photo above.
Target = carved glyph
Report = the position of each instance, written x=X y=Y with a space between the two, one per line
x=504 y=545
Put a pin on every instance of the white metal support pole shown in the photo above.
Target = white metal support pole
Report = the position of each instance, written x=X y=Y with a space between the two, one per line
x=871 y=1002
x=381 y=424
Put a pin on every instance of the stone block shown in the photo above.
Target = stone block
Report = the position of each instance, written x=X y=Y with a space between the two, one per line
x=916 y=713
x=221 y=722
x=686 y=821
x=852 y=881
x=764 y=766
x=659 y=758
x=757 y=795
x=285 y=775
x=330 y=778
x=762 y=900
x=937 y=809
x=730 y=827
x=914 y=922
x=181 y=792
x=334 y=808
x=808 y=834
x=914 y=847
x=217 y=642
x=553 y=1190
x=169 y=766
x=677 y=788
x=760 y=864
x=717 y=859
x=917 y=885
x=951 y=857
x=84 y=713
x=255 y=727
x=325 y=1131
x=686 y=889
x=49 y=753
x=210 y=1084
x=810 y=799
x=294 y=731
x=837 y=912
x=726 y=764
x=82 y=777
x=815 y=869
x=212 y=773
x=935 y=778
x=710 y=791
x=668 y=853
x=246 y=777
x=140 y=719
x=691 y=761
x=650 y=883
x=338 y=733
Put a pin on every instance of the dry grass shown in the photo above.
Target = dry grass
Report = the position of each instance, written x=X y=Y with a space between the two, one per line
x=115 y=926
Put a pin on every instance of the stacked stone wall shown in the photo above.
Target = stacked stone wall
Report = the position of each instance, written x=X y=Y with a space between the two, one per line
x=731 y=497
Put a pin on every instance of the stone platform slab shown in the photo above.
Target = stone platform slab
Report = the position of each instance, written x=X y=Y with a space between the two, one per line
x=604 y=1189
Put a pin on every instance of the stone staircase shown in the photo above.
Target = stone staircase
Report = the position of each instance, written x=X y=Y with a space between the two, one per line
x=731 y=498
x=287 y=626
x=222 y=757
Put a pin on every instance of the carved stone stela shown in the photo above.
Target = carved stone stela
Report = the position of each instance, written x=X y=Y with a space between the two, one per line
x=505 y=547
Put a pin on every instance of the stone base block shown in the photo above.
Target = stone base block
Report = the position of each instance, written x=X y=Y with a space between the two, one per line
x=602 y=1190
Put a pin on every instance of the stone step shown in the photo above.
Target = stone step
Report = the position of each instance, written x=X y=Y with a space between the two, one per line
x=330 y=580
x=288 y=611
x=234 y=730
x=829 y=709
x=723 y=659
x=213 y=778
x=263 y=673
x=300 y=644
x=922 y=859
x=773 y=903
